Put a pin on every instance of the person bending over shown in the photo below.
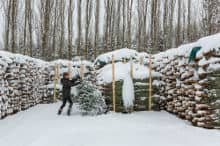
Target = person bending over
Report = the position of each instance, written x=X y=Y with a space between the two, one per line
x=67 y=84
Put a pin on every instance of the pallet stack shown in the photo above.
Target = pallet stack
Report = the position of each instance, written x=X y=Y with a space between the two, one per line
x=75 y=68
x=188 y=87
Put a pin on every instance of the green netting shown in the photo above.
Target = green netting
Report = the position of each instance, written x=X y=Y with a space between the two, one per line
x=193 y=53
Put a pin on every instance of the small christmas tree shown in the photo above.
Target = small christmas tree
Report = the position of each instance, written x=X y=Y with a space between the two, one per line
x=91 y=101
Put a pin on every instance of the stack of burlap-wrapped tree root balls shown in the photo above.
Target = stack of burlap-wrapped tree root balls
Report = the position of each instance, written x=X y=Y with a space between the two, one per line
x=22 y=83
x=191 y=88
x=56 y=68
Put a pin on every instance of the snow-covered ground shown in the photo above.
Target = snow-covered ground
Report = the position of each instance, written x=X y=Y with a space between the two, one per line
x=40 y=126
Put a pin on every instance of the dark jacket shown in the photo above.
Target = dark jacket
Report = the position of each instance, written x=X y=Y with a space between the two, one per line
x=67 y=84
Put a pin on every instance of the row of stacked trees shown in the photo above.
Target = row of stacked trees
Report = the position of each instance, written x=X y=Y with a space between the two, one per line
x=62 y=28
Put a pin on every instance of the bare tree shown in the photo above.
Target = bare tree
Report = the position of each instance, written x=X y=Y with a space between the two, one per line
x=14 y=24
x=145 y=27
x=62 y=28
x=111 y=25
x=171 y=18
x=54 y=42
x=153 y=23
x=107 y=15
x=189 y=20
x=165 y=22
x=211 y=16
x=46 y=26
x=129 y=18
x=27 y=28
x=123 y=22
x=7 y=25
x=79 y=28
x=96 y=35
x=70 y=28
x=87 y=25
x=140 y=23
x=118 y=20
x=178 y=23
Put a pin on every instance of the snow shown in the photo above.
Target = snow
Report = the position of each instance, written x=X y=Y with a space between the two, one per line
x=213 y=67
x=74 y=66
x=64 y=62
x=40 y=126
x=201 y=71
x=73 y=72
x=208 y=44
x=144 y=56
x=8 y=57
x=212 y=60
x=51 y=86
x=128 y=92
x=118 y=55
x=104 y=75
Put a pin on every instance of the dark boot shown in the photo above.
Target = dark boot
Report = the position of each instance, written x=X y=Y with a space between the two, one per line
x=60 y=112
x=69 y=112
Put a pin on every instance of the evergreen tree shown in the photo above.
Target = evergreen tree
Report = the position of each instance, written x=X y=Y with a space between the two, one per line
x=91 y=101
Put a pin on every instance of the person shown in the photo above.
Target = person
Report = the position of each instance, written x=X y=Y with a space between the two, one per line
x=67 y=84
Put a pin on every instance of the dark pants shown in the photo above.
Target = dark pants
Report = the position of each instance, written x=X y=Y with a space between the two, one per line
x=64 y=103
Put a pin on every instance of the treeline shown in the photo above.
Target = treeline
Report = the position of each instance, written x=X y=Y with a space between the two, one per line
x=51 y=29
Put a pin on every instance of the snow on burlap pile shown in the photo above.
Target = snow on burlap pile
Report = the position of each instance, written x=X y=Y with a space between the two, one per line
x=21 y=82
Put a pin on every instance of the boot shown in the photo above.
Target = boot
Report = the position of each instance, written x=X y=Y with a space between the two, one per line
x=69 y=112
x=59 y=112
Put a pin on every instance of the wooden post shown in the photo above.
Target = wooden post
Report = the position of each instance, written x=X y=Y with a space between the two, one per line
x=124 y=60
x=131 y=67
x=113 y=83
x=141 y=60
x=69 y=69
x=81 y=70
x=55 y=81
x=150 y=84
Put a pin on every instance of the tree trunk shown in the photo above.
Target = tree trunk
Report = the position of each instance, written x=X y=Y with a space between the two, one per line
x=70 y=28
x=172 y=6
x=30 y=28
x=79 y=28
x=14 y=24
x=46 y=28
x=62 y=25
x=129 y=18
x=118 y=24
x=189 y=21
x=55 y=29
x=7 y=29
x=96 y=27
x=178 y=23
x=123 y=23
x=88 y=16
